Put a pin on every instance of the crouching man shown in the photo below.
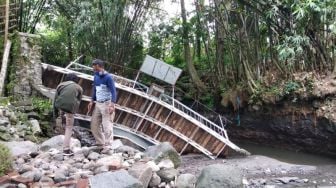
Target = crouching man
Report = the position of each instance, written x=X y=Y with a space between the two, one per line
x=67 y=99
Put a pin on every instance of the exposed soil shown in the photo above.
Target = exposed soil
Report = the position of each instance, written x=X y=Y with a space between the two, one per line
x=304 y=121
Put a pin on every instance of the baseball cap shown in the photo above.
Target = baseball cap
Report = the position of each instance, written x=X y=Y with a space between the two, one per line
x=98 y=62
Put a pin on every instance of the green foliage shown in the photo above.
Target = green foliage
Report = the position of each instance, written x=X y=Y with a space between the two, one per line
x=208 y=100
x=290 y=87
x=42 y=105
x=5 y=159
x=54 y=48
x=4 y=101
x=265 y=94
x=292 y=47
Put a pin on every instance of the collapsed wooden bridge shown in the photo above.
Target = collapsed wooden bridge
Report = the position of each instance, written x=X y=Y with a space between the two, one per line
x=152 y=115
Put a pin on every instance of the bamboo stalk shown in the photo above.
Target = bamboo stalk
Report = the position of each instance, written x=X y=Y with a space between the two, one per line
x=6 y=22
x=3 y=72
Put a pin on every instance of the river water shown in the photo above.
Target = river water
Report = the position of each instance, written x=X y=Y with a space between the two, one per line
x=287 y=156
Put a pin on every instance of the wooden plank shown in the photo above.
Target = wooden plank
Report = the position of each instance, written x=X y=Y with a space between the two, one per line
x=3 y=73
x=218 y=148
x=206 y=140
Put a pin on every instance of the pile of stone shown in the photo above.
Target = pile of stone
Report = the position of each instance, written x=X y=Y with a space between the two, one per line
x=121 y=166
x=12 y=129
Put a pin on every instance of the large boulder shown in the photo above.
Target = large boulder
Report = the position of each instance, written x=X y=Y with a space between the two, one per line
x=186 y=181
x=57 y=143
x=218 y=175
x=120 y=179
x=164 y=151
x=23 y=147
x=142 y=172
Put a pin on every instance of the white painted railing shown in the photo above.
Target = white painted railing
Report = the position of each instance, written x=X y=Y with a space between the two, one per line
x=177 y=104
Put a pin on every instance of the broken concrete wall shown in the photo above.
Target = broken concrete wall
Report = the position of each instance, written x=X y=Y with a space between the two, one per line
x=25 y=69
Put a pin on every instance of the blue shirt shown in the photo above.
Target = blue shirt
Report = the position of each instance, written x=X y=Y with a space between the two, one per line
x=104 y=88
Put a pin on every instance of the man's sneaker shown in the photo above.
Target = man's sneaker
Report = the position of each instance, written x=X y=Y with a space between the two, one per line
x=67 y=152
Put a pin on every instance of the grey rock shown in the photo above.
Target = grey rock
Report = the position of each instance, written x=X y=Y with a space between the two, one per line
x=4 y=122
x=20 y=161
x=126 y=150
x=21 y=185
x=43 y=156
x=34 y=175
x=12 y=130
x=164 y=151
x=34 y=154
x=13 y=118
x=101 y=169
x=120 y=179
x=218 y=175
x=25 y=168
x=59 y=177
x=78 y=165
x=45 y=166
x=155 y=180
x=116 y=144
x=79 y=157
x=57 y=143
x=138 y=156
x=89 y=165
x=86 y=174
x=85 y=151
x=163 y=184
x=22 y=147
x=167 y=163
x=93 y=156
x=186 y=181
x=167 y=175
x=5 y=137
x=142 y=172
x=59 y=157
x=3 y=129
x=35 y=126
x=114 y=160
x=126 y=164
x=154 y=167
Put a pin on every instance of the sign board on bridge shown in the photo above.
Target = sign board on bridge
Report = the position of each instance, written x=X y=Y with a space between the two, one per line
x=160 y=70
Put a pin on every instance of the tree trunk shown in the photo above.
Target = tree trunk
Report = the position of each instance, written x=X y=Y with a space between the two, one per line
x=187 y=56
x=70 y=49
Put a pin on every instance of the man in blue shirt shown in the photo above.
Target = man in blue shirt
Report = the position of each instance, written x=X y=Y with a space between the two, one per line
x=104 y=96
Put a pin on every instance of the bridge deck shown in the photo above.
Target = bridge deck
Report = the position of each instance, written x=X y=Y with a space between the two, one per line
x=159 y=118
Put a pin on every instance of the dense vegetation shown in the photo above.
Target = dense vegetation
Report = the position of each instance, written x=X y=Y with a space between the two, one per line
x=5 y=159
x=226 y=48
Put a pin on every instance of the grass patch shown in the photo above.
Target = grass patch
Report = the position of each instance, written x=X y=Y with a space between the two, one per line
x=5 y=160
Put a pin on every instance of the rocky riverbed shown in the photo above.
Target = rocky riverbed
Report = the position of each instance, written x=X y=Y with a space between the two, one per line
x=262 y=171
